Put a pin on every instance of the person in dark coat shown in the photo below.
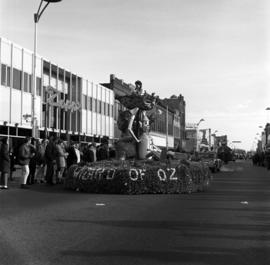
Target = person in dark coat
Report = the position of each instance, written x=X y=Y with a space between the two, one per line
x=24 y=156
x=72 y=157
x=4 y=163
x=103 y=151
x=41 y=162
x=33 y=162
x=12 y=163
x=50 y=153
x=89 y=155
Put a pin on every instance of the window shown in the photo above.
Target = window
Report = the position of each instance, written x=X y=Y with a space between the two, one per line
x=8 y=76
x=98 y=110
x=89 y=99
x=94 y=105
x=30 y=83
x=108 y=109
x=38 y=86
x=116 y=110
x=84 y=102
x=44 y=94
x=25 y=82
x=17 y=76
x=103 y=108
x=5 y=75
x=111 y=111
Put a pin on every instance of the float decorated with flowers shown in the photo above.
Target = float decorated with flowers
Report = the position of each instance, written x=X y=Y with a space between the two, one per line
x=140 y=177
x=138 y=168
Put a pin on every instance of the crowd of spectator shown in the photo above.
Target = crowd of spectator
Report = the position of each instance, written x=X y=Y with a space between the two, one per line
x=47 y=160
x=262 y=158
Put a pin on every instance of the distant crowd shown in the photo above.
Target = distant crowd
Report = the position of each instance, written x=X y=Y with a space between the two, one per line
x=47 y=160
x=262 y=158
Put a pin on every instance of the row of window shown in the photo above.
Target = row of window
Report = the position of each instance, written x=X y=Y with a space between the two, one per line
x=21 y=80
x=97 y=106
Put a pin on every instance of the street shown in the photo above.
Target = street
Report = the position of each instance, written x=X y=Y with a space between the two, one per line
x=228 y=224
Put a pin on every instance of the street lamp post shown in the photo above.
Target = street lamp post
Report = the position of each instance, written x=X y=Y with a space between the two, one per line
x=37 y=16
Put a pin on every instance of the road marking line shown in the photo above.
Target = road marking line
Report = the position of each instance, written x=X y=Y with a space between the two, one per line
x=244 y=202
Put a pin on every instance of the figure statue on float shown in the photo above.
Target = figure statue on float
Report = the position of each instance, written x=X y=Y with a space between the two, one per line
x=134 y=123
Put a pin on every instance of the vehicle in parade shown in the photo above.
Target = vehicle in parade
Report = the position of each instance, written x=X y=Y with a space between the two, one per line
x=225 y=153
x=211 y=159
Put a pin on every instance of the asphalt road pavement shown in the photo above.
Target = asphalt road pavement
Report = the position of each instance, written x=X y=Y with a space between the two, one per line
x=228 y=224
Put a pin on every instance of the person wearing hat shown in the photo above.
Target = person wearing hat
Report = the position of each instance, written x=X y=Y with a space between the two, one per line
x=4 y=163
x=138 y=87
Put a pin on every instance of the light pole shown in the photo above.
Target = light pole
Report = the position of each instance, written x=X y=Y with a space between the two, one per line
x=37 y=16
x=197 y=134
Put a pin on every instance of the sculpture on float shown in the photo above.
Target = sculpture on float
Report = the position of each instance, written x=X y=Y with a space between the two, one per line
x=134 y=123
x=149 y=173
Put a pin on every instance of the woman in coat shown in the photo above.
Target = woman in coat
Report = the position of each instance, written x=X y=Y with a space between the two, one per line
x=4 y=164
x=60 y=160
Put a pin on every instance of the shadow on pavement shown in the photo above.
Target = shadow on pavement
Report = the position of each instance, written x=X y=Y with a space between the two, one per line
x=176 y=225
x=187 y=255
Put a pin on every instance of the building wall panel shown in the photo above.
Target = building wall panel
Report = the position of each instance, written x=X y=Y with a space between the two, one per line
x=107 y=126
x=89 y=124
x=103 y=93
x=90 y=89
x=98 y=131
x=94 y=90
x=4 y=103
x=5 y=52
x=16 y=111
x=38 y=113
x=94 y=123
x=84 y=87
x=99 y=88
x=17 y=57
x=26 y=108
x=27 y=62
x=84 y=129
x=111 y=127
x=111 y=97
x=103 y=125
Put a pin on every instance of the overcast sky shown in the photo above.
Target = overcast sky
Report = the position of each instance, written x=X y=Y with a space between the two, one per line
x=213 y=52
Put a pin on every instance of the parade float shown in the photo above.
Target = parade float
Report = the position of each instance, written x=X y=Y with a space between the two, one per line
x=138 y=168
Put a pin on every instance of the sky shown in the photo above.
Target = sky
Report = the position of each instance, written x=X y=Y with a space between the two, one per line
x=216 y=53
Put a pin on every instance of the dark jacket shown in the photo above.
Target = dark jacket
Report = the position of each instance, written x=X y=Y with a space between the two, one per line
x=4 y=159
x=40 y=155
x=50 y=152
x=72 y=157
x=89 y=155
x=24 y=154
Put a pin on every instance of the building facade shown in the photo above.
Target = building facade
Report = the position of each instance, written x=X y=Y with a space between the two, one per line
x=66 y=103
x=190 y=143
x=178 y=105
